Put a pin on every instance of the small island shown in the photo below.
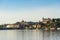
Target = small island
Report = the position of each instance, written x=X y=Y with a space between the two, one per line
x=45 y=24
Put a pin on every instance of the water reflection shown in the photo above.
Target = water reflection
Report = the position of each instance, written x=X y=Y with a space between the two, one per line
x=29 y=35
x=11 y=35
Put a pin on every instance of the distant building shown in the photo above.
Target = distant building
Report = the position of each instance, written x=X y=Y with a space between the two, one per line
x=37 y=25
x=12 y=26
x=45 y=20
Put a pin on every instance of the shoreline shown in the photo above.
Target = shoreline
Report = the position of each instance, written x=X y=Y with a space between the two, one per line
x=28 y=29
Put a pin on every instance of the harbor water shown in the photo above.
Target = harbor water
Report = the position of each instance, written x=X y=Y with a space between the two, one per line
x=29 y=35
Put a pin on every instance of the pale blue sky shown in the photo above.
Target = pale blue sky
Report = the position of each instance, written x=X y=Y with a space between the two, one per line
x=28 y=10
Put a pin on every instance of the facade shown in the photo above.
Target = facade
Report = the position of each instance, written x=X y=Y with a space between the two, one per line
x=45 y=20
x=37 y=25
x=12 y=26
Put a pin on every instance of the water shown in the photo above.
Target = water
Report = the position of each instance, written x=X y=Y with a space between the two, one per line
x=29 y=35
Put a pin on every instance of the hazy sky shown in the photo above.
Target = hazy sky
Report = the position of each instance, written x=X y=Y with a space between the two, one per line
x=28 y=10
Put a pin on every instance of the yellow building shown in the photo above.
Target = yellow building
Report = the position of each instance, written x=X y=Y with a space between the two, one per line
x=37 y=26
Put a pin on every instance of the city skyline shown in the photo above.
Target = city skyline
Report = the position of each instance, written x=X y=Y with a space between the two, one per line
x=29 y=10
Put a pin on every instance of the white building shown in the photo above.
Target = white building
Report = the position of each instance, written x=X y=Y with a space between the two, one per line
x=12 y=26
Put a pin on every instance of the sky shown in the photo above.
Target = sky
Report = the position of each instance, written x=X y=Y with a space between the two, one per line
x=12 y=11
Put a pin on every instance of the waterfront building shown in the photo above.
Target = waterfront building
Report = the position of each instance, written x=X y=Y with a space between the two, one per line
x=12 y=26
